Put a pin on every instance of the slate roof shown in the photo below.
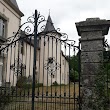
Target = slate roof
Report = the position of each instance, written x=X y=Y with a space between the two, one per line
x=14 y=3
x=49 y=25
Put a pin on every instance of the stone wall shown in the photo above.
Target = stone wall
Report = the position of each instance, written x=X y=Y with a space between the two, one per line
x=92 y=33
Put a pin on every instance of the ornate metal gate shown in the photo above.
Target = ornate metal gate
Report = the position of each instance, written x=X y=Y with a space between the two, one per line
x=40 y=69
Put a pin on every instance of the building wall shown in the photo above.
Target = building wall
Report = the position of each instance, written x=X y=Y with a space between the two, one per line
x=13 y=21
x=50 y=49
x=46 y=51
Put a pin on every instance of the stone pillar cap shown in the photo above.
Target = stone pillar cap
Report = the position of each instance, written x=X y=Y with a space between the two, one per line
x=93 y=24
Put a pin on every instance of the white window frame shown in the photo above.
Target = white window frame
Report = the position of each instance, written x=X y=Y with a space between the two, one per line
x=2 y=28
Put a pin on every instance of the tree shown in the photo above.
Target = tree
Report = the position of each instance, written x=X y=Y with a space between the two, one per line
x=73 y=64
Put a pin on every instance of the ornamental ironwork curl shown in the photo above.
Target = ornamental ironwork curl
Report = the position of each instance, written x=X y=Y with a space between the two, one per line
x=18 y=67
x=51 y=66
x=64 y=37
x=28 y=29
x=42 y=28
x=40 y=19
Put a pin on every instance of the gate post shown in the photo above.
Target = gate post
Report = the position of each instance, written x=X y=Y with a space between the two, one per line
x=92 y=33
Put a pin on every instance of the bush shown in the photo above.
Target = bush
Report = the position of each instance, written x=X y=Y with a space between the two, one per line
x=4 y=100
x=55 y=83
x=21 y=82
x=13 y=88
x=74 y=76
x=27 y=86
x=38 y=85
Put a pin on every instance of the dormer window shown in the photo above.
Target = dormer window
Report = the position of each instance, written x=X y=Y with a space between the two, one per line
x=2 y=28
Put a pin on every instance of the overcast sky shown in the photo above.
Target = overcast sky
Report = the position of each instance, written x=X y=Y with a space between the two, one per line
x=65 y=13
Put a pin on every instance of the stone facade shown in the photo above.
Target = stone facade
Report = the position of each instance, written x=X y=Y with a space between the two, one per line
x=92 y=33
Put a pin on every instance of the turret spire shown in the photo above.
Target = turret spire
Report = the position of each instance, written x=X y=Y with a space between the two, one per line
x=49 y=25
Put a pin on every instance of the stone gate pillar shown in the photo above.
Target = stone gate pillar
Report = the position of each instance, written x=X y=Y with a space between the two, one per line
x=92 y=33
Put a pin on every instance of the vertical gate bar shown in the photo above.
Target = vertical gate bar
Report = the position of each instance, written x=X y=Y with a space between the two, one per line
x=79 y=71
x=56 y=73
x=13 y=54
x=27 y=65
x=47 y=92
x=25 y=62
x=22 y=69
x=38 y=76
x=2 y=92
x=69 y=78
x=108 y=82
x=60 y=73
x=74 y=82
x=34 y=64
x=47 y=77
x=44 y=49
x=17 y=61
x=6 y=69
x=51 y=77
x=107 y=79
x=10 y=69
x=30 y=40
x=64 y=74
x=22 y=74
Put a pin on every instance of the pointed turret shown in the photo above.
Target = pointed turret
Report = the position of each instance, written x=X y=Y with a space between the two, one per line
x=49 y=25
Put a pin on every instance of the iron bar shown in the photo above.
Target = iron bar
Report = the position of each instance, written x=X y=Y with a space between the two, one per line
x=79 y=71
x=47 y=58
x=34 y=64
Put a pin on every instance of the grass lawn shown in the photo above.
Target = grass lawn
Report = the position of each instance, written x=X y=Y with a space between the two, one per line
x=49 y=98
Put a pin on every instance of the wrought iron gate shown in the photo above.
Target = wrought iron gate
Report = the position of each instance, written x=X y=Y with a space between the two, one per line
x=40 y=70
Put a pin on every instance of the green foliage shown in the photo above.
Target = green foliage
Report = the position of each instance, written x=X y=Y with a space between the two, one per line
x=4 y=100
x=21 y=82
x=101 y=99
x=73 y=63
x=38 y=85
x=56 y=84
x=29 y=86
x=74 y=76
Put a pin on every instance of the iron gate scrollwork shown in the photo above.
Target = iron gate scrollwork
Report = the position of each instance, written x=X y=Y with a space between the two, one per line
x=38 y=71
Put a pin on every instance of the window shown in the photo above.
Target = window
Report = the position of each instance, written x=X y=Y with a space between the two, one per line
x=62 y=77
x=22 y=48
x=63 y=62
x=2 y=28
x=1 y=68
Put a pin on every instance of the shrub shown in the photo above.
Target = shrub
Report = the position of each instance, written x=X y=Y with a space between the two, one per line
x=38 y=85
x=4 y=100
x=55 y=83
x=27 y=86
x=21 y=82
